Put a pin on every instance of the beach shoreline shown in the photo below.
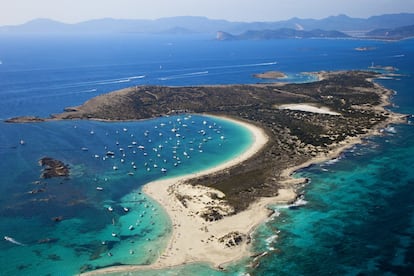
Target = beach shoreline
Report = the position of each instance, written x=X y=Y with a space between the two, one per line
x=318 y=125
x=204 y=245
x=194 y=239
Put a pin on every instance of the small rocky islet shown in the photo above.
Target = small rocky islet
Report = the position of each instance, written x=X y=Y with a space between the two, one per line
x=53 y=168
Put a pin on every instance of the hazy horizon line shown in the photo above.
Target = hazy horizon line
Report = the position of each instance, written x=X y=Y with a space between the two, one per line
x=196 y=16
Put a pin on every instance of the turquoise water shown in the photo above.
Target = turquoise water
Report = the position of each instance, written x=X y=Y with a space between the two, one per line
x=359 y=219
x=91 y=236
x=372 y=184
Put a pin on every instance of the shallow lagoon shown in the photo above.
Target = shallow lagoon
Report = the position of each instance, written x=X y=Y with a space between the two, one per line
x=106 y=219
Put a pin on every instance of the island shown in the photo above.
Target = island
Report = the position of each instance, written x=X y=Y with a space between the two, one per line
x=282 y=33
x=294 y=126
x=386 y=34
x=270 y=75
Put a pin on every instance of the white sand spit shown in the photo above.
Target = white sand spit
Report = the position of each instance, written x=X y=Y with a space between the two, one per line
x=309 y=108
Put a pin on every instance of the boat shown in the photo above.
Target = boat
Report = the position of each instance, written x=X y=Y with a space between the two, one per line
x=126 y=209
x=99 y=188
x=110 y=153
x=110 y=209
x=10 y=239
x=22 y=142
x=164 y=170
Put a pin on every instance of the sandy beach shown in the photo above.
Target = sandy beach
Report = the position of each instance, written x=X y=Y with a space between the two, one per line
x=222 y=241
x=193 y=238
x=309 y=108
x=227 y=239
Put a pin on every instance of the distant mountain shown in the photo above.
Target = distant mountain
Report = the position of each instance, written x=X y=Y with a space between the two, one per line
x=197 y=24
x=396 y=33
x=174 y=25
x=46 y=25
x=348 y=24
x=280 y=34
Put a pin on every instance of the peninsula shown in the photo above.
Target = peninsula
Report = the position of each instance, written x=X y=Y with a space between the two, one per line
x=294 y=125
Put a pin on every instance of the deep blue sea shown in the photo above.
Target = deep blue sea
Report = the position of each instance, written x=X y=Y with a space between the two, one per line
x=359 y=219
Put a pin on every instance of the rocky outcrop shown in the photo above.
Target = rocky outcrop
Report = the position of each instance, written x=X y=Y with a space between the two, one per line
x=25 y=119
x=53 y=168
x=233 y=239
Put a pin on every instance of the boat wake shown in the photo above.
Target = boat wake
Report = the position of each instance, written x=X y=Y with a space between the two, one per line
x=89 y=90
x=207 y=70
x=10 y=239
x=121 y=80
x=243 y=65
x=79 y=85
x=187 y=75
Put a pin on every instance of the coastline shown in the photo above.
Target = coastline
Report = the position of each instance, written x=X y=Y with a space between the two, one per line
x=194 y=239
x=199 y=210
x=338 y=148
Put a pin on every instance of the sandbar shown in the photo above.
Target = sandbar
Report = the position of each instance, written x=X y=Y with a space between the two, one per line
x=193 y=238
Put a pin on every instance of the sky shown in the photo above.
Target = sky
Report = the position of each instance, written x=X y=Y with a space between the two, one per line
x=13 y=12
